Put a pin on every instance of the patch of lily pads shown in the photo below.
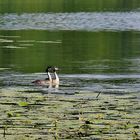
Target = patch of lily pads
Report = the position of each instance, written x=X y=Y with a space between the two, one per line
x=85 y=115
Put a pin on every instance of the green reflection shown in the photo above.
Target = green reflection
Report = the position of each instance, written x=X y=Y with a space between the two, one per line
x=20 y=6
x=32 y=51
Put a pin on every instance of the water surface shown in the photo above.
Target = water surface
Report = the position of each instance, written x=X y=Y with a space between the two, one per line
x=118 y=21
x=95 y=43
x=89 y=61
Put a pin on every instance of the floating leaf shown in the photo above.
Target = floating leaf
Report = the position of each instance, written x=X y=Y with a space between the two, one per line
x=23 y=104
x=10 y=114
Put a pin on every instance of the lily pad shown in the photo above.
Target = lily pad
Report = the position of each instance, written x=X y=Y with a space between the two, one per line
x=23 y=104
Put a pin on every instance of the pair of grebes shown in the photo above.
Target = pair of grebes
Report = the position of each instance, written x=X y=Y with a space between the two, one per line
x=50 y=80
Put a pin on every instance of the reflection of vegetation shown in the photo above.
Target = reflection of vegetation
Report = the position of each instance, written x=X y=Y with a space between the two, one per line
x=66 y=6
x=42 y=48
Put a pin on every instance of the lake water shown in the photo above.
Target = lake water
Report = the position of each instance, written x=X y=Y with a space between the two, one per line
x=96 y=44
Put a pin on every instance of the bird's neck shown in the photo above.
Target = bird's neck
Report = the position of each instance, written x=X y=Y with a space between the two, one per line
x=56 y=76
x=49 y=76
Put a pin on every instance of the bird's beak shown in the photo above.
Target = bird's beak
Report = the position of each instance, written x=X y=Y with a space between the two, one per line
x=57 y=69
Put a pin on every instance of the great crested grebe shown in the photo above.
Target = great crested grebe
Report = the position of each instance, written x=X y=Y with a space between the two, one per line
x=49 y=80
x=46 y=81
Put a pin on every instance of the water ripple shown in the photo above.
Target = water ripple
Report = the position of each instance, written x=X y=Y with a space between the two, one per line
x=109 y=83
x=96 y=21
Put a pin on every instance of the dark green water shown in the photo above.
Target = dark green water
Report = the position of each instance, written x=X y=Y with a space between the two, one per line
x=93 y=39
x=73 y=51
x=35 y=6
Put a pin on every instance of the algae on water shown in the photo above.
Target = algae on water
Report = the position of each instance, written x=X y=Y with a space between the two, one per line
x=78 y=116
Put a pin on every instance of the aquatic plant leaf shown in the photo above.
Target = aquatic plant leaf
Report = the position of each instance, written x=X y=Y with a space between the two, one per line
x=10 y=114
x=23 y=104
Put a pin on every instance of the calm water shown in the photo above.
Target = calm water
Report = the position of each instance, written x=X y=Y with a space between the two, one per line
x=95 y=43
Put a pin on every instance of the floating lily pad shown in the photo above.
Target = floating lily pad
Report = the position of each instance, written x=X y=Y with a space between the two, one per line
x=23 y=104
